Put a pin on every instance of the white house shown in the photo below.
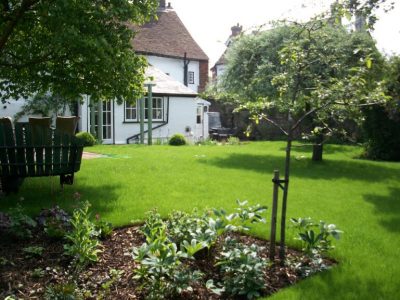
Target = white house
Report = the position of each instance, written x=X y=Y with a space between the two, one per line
x=179 y=68
x=219 y=67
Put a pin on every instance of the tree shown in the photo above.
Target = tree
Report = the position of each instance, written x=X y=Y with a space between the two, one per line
x=315 y=71
x=382 y=123
x=255 y=60
x=71 y=48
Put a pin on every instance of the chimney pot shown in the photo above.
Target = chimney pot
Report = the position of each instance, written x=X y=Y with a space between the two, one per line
x=162 y=4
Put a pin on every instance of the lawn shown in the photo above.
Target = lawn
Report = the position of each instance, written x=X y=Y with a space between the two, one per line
x=361 y=197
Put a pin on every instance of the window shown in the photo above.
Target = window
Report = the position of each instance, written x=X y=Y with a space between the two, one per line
x=132 y=111
x=191 y=77
x=199 y=117
x=157 y=109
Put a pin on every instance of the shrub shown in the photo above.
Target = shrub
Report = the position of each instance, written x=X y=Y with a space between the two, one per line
x=177 y=140
x=381 y=128
x=86 y=138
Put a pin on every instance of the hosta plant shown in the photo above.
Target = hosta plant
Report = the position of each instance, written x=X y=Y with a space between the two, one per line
x=242 y=269
x=316 y=237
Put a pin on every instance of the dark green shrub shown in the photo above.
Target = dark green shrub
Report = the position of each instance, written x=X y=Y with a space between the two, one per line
x=86 y=138
x=382 y=129
x=177 y=140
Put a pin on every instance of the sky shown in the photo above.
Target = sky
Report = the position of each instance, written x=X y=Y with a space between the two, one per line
x=209 y=21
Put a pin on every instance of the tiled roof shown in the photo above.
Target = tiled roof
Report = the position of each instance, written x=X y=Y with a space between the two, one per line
x=167 y=36
x=221 y=60
x=166 y=85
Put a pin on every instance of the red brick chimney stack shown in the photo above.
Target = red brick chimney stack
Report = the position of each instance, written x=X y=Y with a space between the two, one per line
x=236 y=30
x=162 y=4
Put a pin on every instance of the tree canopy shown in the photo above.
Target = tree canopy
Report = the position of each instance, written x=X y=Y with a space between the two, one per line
x=300 y=68
x=315 y=69
x=71 y=48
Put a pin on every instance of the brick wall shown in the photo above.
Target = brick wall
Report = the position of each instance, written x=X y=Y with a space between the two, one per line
x=203 y=66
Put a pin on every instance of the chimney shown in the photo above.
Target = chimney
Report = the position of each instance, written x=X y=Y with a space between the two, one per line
x=236 y=30
x=169 y=5
x=162 y=4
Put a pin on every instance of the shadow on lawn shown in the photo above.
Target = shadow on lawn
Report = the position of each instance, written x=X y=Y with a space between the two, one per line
x=37 y=193
x=340 y=284
x=305 y=168
x=328 y=149
x=388 y=207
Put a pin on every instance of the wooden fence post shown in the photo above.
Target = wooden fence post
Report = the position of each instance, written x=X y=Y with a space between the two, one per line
x=274 y=215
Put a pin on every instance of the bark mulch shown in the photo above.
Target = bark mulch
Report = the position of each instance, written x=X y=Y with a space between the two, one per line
x=19 y=272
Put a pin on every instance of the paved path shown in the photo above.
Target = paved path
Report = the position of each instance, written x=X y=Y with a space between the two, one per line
x=91 y=155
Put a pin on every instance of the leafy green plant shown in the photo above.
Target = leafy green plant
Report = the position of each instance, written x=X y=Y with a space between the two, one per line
x=20 y=224
x=242 y=269
x=38 y=273
x=33 y=251
x=177 y=140
x=153 y=227
x=103 y=227
x=241 y=219
x=160 y=267
x=315 y=242
x=67 y=291
x=207 y=142
x=4 y=262
x=192 y=232
x=86 y=138
x=193 y=247
x=55 y=222
x=83 y=244
x=115 y=276
x=233 y=140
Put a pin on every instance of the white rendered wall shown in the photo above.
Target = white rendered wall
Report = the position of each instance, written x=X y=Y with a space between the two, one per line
x=12 y=107
x=220 y=70
x=174 y=67
x=182 y=114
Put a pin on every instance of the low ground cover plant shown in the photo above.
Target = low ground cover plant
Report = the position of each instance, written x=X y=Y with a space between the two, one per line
x=204 y=252
x=170 y=243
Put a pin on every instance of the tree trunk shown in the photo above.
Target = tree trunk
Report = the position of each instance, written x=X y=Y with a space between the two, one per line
x=282 y=250
x=318 y=148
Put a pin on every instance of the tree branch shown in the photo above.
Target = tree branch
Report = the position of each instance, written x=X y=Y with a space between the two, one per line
x=310 y=112
x=14 y=19
x=37 y=60
x=275 y=124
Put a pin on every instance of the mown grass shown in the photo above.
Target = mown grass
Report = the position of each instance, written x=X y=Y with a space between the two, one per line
x=361 y=197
